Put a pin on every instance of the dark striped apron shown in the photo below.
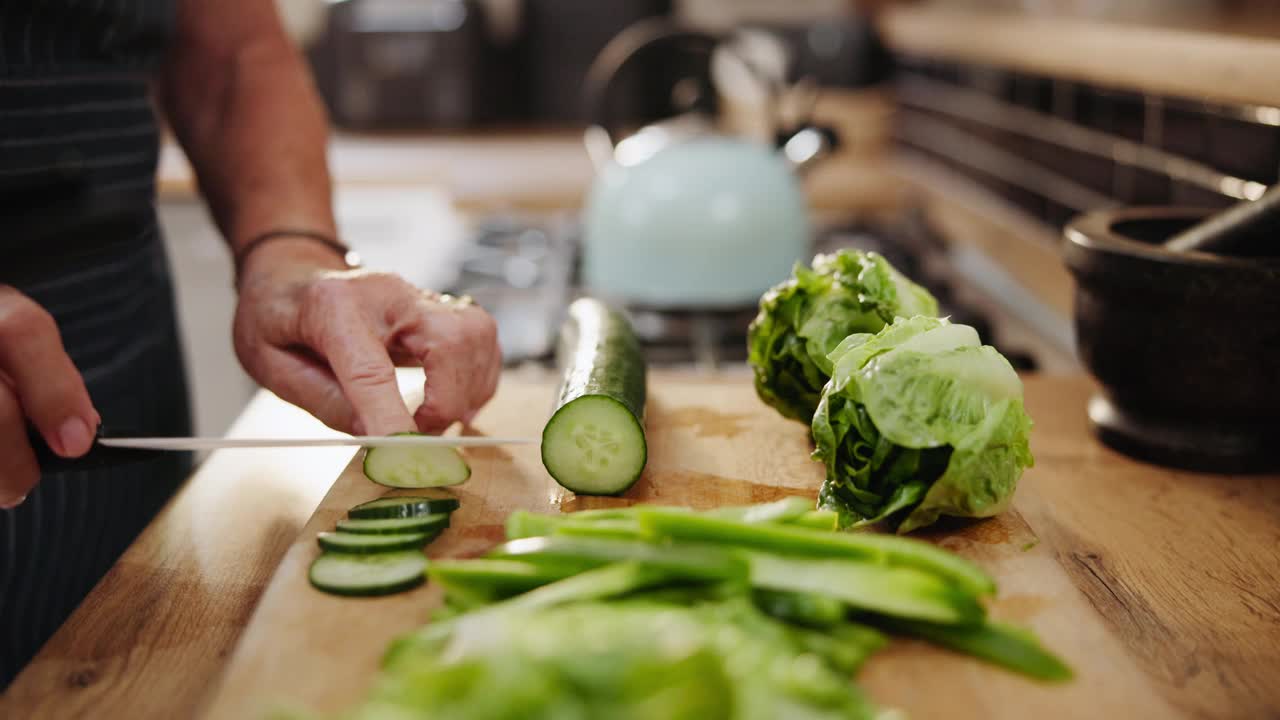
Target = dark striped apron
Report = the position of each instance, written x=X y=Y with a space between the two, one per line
x=79 y=235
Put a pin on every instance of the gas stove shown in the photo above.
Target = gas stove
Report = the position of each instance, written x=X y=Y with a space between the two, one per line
x=523 y=269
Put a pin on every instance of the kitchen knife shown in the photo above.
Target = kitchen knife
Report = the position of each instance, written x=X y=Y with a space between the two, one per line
x=199 y=443
x=111 y=449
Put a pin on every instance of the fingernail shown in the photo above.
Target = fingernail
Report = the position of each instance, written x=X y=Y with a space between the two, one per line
x=11 y=504
x=75 y=436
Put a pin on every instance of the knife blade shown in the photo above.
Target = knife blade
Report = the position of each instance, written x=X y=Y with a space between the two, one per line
x=211 y=443
x=110 y=449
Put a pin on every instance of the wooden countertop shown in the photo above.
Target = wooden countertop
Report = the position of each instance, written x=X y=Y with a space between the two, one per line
x=1226 y=60
x=1175 y=577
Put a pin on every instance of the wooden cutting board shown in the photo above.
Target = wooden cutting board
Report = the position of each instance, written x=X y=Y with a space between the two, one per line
x=1124 y=626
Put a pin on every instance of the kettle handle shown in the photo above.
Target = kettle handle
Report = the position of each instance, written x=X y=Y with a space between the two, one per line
x=620 y=52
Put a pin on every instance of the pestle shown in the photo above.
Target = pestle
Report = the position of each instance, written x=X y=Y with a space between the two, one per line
x=1236 y=229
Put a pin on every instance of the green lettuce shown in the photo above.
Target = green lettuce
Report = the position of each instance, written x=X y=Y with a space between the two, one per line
x=630 y=659
x=919 y=420
x=803 y=319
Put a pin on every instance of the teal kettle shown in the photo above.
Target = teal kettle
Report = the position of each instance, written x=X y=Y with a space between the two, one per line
x=680 y=216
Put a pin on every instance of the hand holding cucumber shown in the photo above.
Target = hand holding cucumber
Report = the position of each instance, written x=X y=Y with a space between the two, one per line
x=40 y=384
x=329 y=340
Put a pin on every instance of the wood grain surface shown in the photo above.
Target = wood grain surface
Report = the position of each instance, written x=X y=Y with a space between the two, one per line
x=153 y=634
x=1161 y=588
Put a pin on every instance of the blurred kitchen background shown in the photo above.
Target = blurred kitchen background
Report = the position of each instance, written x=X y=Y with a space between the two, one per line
x=954 y=137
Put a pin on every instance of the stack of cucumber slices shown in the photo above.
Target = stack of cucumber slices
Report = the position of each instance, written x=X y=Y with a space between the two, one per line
x=377 y=548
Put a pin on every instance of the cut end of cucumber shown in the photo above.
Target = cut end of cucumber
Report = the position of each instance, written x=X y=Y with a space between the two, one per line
x=415 y=467
x=594 y=446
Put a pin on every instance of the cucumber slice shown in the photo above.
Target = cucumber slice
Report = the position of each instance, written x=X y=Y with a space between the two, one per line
x=367 y=575
x=346 y=542
x=403 y=507
x=394 y=526
x=594 y=443
x=415 y=467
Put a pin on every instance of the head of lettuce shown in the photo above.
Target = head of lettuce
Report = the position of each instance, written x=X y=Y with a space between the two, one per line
x=919 y=420
x=802 y=319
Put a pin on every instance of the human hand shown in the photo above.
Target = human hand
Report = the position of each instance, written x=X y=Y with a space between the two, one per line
x=37 y=381
x=328 y=339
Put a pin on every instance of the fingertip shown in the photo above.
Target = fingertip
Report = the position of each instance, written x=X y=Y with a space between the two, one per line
x=11 y=504
x=430 y=421
x=74 y=437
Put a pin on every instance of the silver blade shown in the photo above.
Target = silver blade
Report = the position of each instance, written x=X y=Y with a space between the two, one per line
x=196 y=443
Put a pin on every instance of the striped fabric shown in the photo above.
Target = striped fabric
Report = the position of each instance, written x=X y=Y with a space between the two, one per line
x=78 y=234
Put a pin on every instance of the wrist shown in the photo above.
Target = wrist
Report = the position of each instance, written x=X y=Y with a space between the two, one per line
x=291 y=251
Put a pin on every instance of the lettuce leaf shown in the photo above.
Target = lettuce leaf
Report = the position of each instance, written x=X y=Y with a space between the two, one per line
x=803 y=319
x=919 y=421
x=635 y=658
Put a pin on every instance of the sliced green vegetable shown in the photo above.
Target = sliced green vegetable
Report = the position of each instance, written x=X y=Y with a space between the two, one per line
x=801 y=608
x=624 y=660
x=784 y=510
x=846 y=646
x=346 y=542
x=616 y=529
x=595 y=584
x=705 y=563
x=366 y=575
x=899 y=551
x=402 y=507
x=393 y=526
x=521 y=524
x=415 y=467
x=495 y=578
x=900 y=592
x=818 y=520
x=1010 y=647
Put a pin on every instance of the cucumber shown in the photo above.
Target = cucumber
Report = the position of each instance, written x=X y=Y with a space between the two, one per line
x=594 y=443
x=394 y=526
x=415 y=467
x=347 y=542
x=403 y=507
x=367 y=575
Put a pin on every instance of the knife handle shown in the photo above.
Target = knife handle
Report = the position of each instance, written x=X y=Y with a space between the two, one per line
x=99 y=456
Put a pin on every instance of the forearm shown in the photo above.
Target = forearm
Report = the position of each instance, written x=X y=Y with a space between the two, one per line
x=242 y=104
